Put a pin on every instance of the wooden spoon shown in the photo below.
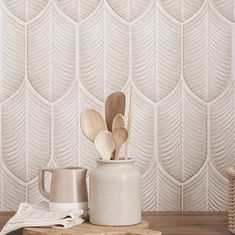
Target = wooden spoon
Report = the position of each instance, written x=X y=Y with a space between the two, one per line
x=118 y=121
x=114 y=104
x=92 y=123
x=105 y=144
x=120 y=136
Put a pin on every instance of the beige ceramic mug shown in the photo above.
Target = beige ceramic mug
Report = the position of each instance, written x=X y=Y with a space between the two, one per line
x=68 y=189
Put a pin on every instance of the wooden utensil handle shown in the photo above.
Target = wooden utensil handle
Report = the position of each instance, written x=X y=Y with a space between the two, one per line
x=129 y=123
x=117 y=154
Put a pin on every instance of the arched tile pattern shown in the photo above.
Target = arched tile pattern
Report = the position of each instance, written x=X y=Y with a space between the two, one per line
x=60 y=56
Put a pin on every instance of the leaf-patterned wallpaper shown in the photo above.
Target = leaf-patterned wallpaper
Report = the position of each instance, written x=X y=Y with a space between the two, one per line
x=61 y=56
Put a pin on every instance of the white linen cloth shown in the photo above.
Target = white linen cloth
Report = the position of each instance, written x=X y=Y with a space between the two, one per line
x=38 y=215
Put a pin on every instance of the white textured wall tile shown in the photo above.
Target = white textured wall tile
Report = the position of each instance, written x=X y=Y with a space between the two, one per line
x=194 y=134
x=77 y=10
x=225 y=7
x=195 y=33
x=91 y=57
x=195 y=192
x=142 y=135
x=143 y=53
x=219 y=54
x=26 y=131
x=116 y=49
x=149 y=187
x=181 y=10
x=25 y=10
x=65 y=128
x=14 y=146
x=51 y=62
x=12 y=190
x=217 y=191
x=59 y=57
x=38 y=135
x=222 y=130
x=169 y=192
x=129 y=10
x=169 y=133
x=12 y=53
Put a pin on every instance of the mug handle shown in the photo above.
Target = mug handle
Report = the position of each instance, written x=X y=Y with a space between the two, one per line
x=41 y=182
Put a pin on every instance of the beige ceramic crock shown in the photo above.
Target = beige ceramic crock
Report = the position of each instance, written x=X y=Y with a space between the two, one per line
x=114 y=197
x=68 y=189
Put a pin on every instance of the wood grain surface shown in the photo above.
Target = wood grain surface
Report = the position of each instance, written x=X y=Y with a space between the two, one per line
x=87 y=228
x=174 y=223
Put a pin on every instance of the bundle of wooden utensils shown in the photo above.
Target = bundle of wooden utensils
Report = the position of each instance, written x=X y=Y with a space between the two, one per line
x=110 y=134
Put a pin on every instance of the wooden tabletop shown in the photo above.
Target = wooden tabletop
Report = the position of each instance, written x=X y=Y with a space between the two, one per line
x=88 y=229
x=174 y=223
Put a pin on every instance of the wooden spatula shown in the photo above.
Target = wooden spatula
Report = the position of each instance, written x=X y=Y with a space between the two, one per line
x=114 y=104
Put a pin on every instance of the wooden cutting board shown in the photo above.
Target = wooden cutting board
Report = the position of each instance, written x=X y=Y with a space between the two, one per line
x=87 y=228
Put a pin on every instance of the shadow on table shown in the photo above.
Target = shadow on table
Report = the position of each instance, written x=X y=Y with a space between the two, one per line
x=17 y=232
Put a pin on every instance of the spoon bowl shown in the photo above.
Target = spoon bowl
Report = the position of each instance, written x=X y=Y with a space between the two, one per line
x=92 y=123
x=105 y=144
x=118 y=121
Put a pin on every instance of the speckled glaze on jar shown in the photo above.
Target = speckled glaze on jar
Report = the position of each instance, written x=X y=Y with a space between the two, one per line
x=115 y=193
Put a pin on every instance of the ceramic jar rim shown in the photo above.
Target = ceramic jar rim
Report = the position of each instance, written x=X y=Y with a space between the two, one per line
x=69 y=168
x=130 y=160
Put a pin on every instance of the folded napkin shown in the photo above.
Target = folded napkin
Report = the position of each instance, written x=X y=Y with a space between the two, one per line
x=38 y=215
